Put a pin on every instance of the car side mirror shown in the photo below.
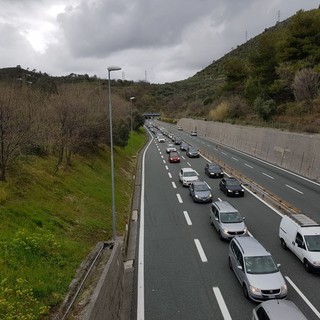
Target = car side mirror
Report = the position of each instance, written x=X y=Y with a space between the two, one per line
x=243 y=218
x=240 y=268
x=216 y=218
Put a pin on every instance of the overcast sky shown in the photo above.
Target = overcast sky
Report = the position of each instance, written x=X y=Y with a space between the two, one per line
x=154 y=40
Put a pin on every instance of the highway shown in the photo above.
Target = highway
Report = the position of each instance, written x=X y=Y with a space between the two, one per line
x=183 y=265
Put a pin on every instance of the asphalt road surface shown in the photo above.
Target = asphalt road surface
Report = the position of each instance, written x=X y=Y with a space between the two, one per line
x=183 y=268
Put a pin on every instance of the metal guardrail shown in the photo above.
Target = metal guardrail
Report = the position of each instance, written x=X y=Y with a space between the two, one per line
x=263 y=193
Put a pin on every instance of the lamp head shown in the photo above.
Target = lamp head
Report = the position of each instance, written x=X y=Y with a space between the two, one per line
x=113 y=68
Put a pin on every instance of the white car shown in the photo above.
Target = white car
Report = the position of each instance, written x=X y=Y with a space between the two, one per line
x=161 y=138
x=171 y=148
x=187 y=176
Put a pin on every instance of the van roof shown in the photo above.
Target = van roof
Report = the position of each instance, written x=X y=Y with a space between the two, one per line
x=225 y=206
x=250 y=246
x=303 y=221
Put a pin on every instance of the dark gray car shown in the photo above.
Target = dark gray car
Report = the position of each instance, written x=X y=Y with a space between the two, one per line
x=200 y=192
x=184 y=146
x=193 y=152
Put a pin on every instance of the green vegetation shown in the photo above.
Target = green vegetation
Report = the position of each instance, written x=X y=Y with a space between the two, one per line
x=49 y=223
x=272 y=79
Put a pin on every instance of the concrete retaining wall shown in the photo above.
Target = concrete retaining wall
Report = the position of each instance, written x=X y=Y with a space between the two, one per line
x=107 y=298
x=296 y=152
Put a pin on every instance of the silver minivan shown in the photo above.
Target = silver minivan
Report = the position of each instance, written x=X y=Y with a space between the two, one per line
x=256 y=270
x=227 y=220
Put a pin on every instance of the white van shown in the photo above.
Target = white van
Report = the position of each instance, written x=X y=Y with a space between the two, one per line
x=301 y=235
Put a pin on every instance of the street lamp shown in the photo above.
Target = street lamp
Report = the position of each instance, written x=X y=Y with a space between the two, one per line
x=131 y=99
x=114 y=232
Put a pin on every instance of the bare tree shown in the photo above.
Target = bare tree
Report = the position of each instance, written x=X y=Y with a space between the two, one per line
x=306 y=84
x=15 y=125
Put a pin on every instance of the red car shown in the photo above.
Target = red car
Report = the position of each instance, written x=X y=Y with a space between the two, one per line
x=174 y=157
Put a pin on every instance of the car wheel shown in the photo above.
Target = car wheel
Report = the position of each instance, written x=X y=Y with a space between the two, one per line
x=230 y=264
x=245 y=291
x=283 y=244
x=307 y=265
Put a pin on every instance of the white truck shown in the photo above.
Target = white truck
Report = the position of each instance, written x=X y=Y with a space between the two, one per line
x=301 y=235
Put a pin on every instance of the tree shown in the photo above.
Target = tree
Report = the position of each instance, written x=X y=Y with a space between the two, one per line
x=236 y=73
x=265 y=108
x=306 y=85
x=15 y=125
x=303 y=41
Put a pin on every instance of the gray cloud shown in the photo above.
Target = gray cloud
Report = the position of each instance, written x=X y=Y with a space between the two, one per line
x=168 y=39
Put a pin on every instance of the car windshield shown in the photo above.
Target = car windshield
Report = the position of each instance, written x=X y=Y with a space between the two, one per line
x=313 y=242
x=260 y=265
x=173 y=154
x=190 y=174
x=231 y=217
x=214 y=166
x=200 y=187
x=233 y=182
x=193 y=149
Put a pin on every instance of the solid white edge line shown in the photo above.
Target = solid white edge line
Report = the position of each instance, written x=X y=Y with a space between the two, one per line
x=221 y=303
x=179 y=198
x=174 y=185
x=140 y=284
x=200 y=251
x=264 y=202
x=189 y=222
x=310 y=305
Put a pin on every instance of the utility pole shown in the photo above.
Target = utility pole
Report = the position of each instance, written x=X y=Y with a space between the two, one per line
x=279 y=13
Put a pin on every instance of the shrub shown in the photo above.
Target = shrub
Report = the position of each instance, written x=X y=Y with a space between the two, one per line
x=221 y=112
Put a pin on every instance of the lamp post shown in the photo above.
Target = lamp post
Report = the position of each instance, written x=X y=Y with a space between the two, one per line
x=114 y=232
x=131 y=99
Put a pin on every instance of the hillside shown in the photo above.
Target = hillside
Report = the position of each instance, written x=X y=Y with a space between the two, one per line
x=50 y=222
x=271 y=80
